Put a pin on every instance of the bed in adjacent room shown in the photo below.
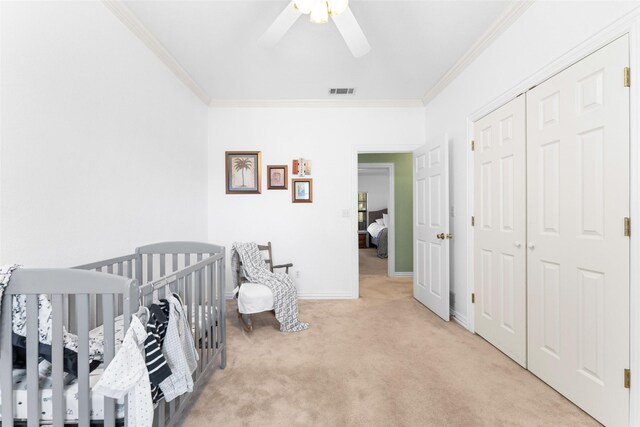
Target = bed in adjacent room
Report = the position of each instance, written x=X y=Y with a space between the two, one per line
x=379 y=231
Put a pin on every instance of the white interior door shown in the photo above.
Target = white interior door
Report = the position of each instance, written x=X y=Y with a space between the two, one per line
x=578 y=254
x=500 y=229
x=431 y=226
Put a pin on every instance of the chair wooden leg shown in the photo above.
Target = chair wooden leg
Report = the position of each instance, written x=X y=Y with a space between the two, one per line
x=245 y=321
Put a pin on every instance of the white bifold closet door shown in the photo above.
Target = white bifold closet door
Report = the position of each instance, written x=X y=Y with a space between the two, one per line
x=578 y=255
x=500 y=225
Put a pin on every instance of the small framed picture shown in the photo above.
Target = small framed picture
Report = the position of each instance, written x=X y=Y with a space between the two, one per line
x=302 y=190
x=277 y=177
x=243 y=170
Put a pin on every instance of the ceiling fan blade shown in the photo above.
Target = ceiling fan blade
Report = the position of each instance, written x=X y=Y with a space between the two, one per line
x=280 y=26
x=352 y=33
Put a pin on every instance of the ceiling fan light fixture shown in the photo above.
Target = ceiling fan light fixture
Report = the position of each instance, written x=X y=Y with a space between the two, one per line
x=336 y=7
x=304 y=6
x=319 y=12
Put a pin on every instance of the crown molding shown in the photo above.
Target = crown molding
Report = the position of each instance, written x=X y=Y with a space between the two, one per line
x=316 y=103
x=504 y=21
x=131 y=21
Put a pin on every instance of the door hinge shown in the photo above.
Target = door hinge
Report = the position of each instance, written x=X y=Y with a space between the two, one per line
x=473 y=145
x=473 y=298
x=473 y=221
x=627 y=77
x=627 y=378
x=627 y=226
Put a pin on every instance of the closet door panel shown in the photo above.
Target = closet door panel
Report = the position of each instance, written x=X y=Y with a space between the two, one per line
x=578 y=256
x=500 y=214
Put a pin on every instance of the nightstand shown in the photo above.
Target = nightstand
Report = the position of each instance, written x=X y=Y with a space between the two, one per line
x=362 y=239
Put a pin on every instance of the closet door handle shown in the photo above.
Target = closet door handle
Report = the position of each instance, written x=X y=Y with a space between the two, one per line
x=517 y=244
x=530 y=245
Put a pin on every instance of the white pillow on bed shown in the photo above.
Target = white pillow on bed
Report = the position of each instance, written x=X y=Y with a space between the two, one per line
x=385 y=218
x=380 y=222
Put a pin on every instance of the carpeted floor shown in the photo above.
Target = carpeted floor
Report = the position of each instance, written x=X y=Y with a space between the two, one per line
x=382 y=360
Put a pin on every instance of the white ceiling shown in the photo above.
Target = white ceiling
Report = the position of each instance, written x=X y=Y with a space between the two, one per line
x=413 y=44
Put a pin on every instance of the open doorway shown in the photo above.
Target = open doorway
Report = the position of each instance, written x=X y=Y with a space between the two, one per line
x=385 y=216
x=376 y=242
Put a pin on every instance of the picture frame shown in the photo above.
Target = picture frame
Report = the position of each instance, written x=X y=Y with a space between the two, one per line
x=243 y=170
x=277 y=177
x=302 y=190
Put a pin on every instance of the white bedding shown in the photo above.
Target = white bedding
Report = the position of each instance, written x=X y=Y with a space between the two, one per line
x=375 y=229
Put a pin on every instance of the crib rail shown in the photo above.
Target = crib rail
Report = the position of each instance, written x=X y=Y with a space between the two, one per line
x=83 y=284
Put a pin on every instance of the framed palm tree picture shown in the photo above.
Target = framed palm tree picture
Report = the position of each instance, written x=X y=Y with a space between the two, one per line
x=243 y=170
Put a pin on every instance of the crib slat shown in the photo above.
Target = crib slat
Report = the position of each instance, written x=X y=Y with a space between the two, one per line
x=33 y=398
x=162 y=264
x=6 y=362
x=198 y=321
x=174 y=262
x=207 y=314
x=149 y=267
x=161 y=415
x=84 y=403
x=108 y=308
x=212 y=308
x=57 y=360
x=222 y=284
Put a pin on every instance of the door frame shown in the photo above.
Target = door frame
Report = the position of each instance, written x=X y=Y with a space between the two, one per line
x=353 y=226
x=391 y=240
x=630 y=25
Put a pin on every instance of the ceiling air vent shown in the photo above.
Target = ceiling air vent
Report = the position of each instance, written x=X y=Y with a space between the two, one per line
x=342 y=91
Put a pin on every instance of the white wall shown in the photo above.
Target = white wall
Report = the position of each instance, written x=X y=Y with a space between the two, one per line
x=546 y=31
x=377 y=189
x=315 y=237
x=102 y=148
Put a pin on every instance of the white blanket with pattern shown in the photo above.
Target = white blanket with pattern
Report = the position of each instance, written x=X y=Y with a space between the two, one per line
x=284 y=291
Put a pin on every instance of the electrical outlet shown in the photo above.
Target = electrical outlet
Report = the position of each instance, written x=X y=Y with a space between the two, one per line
x=453 y=211
x=297 y=274
x=346 y=213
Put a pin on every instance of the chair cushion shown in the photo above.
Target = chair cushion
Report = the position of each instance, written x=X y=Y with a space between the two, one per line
x=254 y=298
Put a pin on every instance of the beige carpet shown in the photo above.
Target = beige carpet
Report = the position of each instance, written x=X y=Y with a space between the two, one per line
x=382 y=360
x=370 y=264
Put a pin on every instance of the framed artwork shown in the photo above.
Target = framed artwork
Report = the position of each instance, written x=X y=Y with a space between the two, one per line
x=301 y=167
x=302 y=190
x=243 y=170
x=277 y=177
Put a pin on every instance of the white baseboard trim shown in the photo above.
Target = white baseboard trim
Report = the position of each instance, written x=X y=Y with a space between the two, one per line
x=314 y=295
x=328 y=295
x=458 y=318
x=402 y=274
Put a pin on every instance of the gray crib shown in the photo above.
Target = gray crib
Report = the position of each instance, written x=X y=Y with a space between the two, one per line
x=96 y=294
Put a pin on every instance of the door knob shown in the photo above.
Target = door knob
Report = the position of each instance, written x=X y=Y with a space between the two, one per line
x=517 y=244
x=440 y=236
x=530 y=245
x=448 y=236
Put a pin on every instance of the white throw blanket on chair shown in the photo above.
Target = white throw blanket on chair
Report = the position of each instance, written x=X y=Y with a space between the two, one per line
x=284 y=291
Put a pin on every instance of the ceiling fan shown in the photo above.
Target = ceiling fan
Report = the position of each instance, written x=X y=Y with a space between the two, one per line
x=319 y=12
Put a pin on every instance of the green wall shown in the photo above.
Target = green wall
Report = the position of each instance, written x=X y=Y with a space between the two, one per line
x=403 y=186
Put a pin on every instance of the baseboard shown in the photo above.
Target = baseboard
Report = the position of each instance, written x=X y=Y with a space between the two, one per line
x=458 y=318
x=314 y=295
x=328 y=295
x=402 y=274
